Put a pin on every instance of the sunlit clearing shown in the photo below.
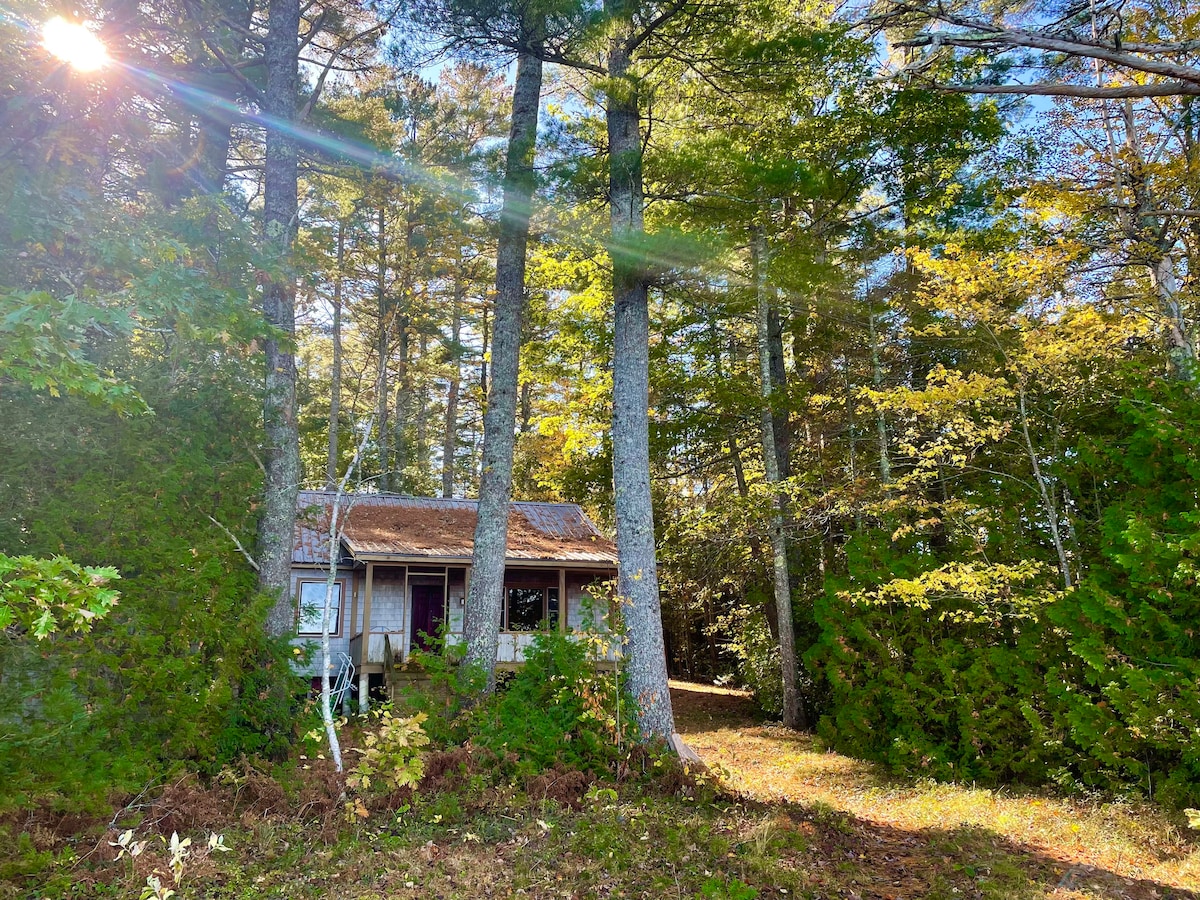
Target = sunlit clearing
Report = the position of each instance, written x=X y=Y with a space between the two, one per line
x=74 y=44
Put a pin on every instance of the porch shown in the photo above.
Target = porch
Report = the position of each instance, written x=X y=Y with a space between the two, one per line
x=405 y=603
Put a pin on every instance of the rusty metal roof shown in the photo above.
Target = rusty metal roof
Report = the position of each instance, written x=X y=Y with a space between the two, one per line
x=389 y=525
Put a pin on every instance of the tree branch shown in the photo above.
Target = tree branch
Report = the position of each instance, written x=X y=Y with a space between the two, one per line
x=653 y=25
x=1048 y=89
x=1000 y=38
x=233 y=537
x=252 y=89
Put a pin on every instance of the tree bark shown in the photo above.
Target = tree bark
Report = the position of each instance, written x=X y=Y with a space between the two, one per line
x=792 y=717
x=779 y=387
x=335 y=386
x=420 y=446
x=485 y=343
x=402 y=406
x=1049 y=507
x=881 y=431
x=485 y=599
x=276 y=527
x=382 y=346
x=450 y=434
x=637 y=580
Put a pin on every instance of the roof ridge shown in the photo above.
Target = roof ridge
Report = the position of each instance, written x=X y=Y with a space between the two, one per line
x=391 y=494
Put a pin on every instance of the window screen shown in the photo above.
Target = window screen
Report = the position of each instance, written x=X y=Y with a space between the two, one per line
x=526 y=607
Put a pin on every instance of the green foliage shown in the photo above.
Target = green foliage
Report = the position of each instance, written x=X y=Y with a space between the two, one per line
x=180 y=670
x=391 y=754
x=452 y=688
x=42 y=345
x=559 y=709
x=261 y=718
x=756 y=652
x=726 y=889
x=1126 y=700
x=936 y=674
x=40 y=596
x=986 y=672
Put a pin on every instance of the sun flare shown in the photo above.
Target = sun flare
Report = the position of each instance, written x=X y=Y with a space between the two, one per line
x=74 y=44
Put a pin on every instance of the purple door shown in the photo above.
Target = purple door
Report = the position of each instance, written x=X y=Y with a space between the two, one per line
x=428 y=612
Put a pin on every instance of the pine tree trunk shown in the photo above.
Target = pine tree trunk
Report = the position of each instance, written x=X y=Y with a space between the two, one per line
x=637 y=580
x=779 y=559
x=881 y=430
x=401 y=449
x=485 y=345
x=420 y=448
x=383 y=446
x=485 y=598
x=282 y=453
x=450 y=434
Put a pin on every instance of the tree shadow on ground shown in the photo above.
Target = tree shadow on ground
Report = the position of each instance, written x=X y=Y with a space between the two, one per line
x=858 y=858
x=792 y=786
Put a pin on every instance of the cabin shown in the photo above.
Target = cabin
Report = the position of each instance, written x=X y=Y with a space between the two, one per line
x=404 y=567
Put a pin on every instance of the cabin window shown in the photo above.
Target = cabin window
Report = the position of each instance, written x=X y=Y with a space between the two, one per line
x=531 y=608
x=311 y=602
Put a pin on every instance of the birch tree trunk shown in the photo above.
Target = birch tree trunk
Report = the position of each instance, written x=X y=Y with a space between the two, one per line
x=1044 y=486
x=485 y=598
x=637 y=580
x=276 y=527
x=335 y=387
x=337 y=518
x=779 y=559
x=335 y=541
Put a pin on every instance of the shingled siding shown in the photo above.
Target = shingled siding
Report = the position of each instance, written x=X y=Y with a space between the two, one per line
x=389 y=612
x=337 y=644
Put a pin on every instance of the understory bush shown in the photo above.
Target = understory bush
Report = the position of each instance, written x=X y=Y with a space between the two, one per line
x=1126 y=699
x=756 y=651
x=565 y=708
x=935 y=681
x=559 y=709
x=180 y=671
x=986 y=672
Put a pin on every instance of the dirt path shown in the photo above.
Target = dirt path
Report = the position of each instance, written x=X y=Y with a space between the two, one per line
x=919 y=839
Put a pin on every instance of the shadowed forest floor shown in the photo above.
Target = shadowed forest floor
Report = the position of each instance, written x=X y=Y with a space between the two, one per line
x=914 y=840
x=795 y=822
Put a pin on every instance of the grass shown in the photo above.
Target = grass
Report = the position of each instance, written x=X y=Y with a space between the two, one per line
x=803 y=823
x=1096 y=845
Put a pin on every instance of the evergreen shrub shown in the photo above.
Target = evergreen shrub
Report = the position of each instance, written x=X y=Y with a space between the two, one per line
x=939 y=682
x=974 y=672
x=558 y=710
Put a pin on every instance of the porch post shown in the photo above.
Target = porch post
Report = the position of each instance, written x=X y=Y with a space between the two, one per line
x=405 y=617
x=364 y=702
x=350 y=634
x=562 y=601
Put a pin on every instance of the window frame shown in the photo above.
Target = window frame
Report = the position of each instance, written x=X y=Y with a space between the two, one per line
x=336 y=610
x=545 y=616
